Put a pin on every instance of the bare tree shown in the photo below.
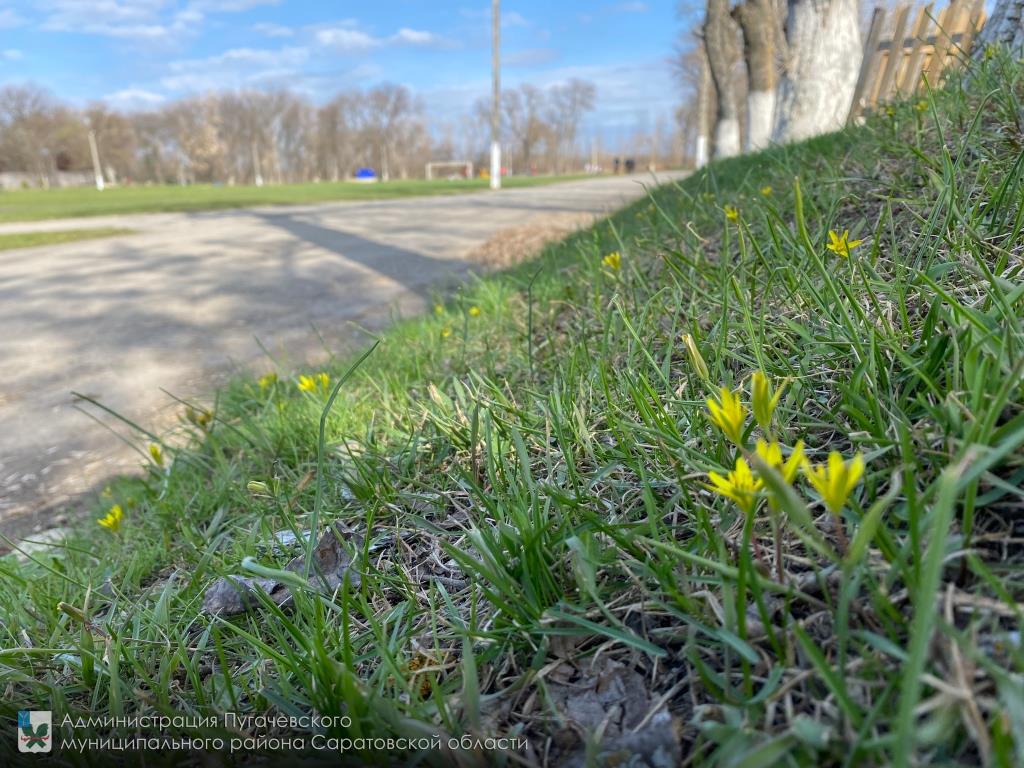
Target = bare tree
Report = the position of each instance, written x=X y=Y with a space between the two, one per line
x=823 y=59
x=387 y=106
x=696 y=116
x=1004 y=27
x=721 y=46
x=523 y=108
x=196 y=129
x=567 y=104
x=115 y=138
x=39 y=136
x=757 y=21
x=155 y=145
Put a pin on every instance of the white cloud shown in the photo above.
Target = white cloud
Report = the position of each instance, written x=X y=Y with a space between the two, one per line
x=513 y=19
x=11 y=54
x=230 y=6
x=632 y=8
x=234 y=68
x=346 y=39
x=273 y=30
x=130 y=97
x=144 y=20
x=415 y=37
x=9 y=19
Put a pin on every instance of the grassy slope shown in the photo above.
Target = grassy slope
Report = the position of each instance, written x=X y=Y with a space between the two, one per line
x=38 y=204
x=30 y=239
x=531 y=485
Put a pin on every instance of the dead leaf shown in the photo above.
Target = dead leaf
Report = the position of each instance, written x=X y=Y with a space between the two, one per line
x=613 y=703
x=331 y=566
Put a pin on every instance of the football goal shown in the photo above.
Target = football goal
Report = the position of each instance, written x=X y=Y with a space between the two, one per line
x=459 y=169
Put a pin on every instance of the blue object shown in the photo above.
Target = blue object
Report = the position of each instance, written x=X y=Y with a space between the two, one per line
x=366 y=173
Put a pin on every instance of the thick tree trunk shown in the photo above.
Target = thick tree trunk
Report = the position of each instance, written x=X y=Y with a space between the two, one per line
x=823 y=60
x=720 y=44
x=1004 y=27
x=758 y=23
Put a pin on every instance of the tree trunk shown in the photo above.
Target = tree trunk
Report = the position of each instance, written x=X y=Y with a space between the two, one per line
x=720 y=43
x=1004 y=27
x=757 y=22
x=700 y=151
x=824 y=56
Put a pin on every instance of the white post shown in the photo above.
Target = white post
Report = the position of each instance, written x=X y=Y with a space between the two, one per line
x=97 y=171
x=496 y=95
x=257 y=176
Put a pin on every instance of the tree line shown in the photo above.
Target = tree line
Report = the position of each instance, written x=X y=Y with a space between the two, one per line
x=278 y=136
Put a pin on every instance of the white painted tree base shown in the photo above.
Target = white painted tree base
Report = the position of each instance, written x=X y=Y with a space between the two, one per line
x=760 y=119
x=727 y=138
x=825 y=53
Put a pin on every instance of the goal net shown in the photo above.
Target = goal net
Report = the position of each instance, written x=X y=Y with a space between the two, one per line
x=457 y=169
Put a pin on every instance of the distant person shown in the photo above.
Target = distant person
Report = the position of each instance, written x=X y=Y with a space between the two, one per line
x=617 y=164
x=630 y=165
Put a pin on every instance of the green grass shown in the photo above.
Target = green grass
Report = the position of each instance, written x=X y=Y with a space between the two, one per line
x=73 y=202
x=31 y=239
x=525 y=489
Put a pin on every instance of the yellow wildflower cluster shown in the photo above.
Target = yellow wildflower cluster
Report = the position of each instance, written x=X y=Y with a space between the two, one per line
x=112 y=520
x=268 y=380
x=732 y=213
x=834 y=480
x=319 y=382
x=473 y=311
x=841 y=244
x=613 y=261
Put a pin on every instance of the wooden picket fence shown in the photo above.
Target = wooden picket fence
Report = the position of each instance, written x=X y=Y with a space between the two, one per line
x=899 y=57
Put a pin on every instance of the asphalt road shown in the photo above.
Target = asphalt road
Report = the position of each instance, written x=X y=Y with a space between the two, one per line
x=178 y=307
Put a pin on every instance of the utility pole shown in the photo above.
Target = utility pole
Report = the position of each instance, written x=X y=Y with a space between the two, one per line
x=95 y=160
x=496 y=94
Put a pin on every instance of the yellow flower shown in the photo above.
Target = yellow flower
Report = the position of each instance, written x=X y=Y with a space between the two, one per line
x=731 y=213
x=763 y=400
x=766 y=190
x=474 y=311
x=841 y=244
x=921 y=106
x=695 y=357
x=157 y=454
x=319 y=381
x=438 y=309
x=446 y=332
x=739 y=485
x=112 y=520
x=771 y=454
x=728 y=414
x=268 y=380
x=835 y=480
x=613 y=261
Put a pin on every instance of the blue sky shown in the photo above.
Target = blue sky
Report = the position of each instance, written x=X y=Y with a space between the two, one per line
x=141 y=53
